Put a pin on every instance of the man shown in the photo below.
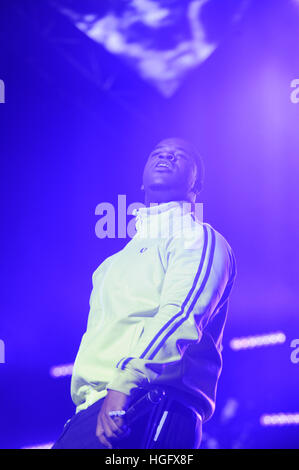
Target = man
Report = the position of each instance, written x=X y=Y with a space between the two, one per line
x=157 y=313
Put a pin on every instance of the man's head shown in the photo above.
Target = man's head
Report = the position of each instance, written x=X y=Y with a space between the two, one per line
x=173 y=171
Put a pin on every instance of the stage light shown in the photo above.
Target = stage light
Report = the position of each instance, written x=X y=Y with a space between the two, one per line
x=61 y=370
x=249 y=342
x=229 y=410
x=47 y=445
x=279 y=419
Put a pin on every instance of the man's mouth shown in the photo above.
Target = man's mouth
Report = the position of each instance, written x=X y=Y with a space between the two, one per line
x=164 y=165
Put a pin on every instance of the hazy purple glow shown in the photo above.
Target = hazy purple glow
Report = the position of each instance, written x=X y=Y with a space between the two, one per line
x=77 y=129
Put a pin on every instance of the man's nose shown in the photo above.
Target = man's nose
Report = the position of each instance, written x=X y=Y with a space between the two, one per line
x=167 y=155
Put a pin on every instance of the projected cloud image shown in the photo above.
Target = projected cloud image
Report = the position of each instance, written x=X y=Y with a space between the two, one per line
x=162 y=40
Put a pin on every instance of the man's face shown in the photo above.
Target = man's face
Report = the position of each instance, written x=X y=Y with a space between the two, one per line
x=172 y=166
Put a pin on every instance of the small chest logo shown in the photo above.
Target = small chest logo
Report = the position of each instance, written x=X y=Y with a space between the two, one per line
x=143 y=250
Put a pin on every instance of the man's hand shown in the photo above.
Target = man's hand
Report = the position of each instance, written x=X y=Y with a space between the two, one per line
x=112 y=428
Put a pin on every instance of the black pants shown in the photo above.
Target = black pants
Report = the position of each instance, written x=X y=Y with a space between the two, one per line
x=172 y=426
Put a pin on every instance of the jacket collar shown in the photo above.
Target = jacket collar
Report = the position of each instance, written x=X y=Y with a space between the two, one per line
x=160 y=220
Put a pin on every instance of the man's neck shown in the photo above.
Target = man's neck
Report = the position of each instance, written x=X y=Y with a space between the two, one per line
x=160 y=197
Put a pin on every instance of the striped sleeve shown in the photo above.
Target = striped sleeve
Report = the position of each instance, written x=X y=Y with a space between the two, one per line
x=197 y=273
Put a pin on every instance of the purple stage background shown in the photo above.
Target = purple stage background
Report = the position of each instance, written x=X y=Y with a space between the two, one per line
x=76 y=127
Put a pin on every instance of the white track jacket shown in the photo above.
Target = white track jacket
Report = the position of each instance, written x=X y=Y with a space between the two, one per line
x=157 y=312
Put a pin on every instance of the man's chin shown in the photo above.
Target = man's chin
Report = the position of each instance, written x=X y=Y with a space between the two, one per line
x=162 y=186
